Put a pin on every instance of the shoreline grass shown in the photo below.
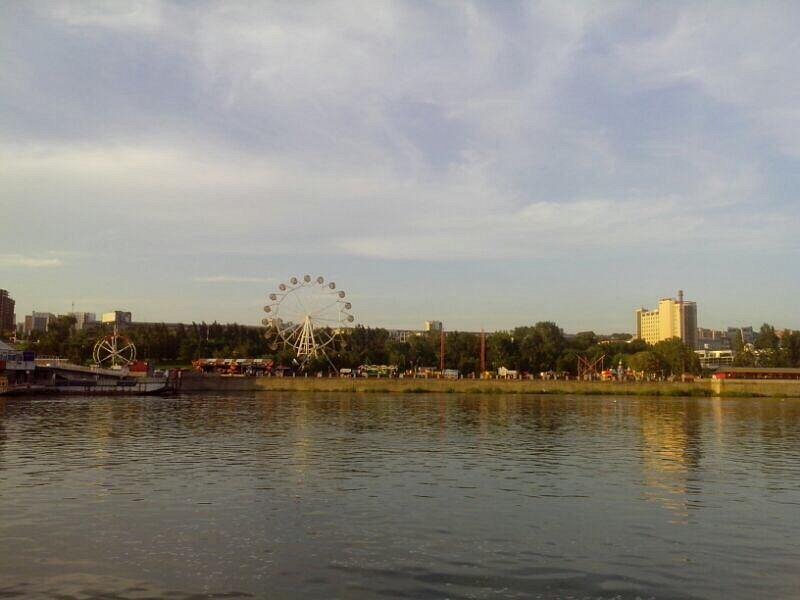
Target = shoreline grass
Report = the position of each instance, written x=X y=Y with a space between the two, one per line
x=698 y=389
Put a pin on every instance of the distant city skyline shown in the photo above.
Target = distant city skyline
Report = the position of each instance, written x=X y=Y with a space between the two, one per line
x=420 y=325
x=483 y=164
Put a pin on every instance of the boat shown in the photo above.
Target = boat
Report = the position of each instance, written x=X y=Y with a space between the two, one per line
x=116 y=372
x=63 y=377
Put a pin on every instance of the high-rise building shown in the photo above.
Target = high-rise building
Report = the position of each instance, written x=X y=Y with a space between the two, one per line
x=119 y=318
x=672 y=319
x=84 y=319
x=37 y=321
x=7 y=320
x=712 y=339
x=433 y=325
x=742 y=335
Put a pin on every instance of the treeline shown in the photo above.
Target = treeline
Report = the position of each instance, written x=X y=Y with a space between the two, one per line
x=157 y=342
x=533 y=349
x=539 y=348
x=769 y=349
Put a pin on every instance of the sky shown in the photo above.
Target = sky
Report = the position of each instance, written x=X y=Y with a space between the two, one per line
x=487 y=164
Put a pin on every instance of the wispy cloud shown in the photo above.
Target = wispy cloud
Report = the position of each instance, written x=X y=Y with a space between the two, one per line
x=330 y=135
x=129 y=15
x=232 y=279
x=28 y=262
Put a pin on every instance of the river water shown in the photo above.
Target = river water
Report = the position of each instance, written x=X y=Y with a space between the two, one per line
x=399 y=496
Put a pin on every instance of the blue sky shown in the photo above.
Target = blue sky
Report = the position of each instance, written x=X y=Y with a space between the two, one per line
x=488 y=164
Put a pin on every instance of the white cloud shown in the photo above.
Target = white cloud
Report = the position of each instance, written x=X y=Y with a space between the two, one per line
x=28 y=262
x=396 y=130
x=120 y=15
x=739 y=55
x=209 y=136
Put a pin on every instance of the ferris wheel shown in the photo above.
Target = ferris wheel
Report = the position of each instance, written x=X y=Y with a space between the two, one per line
x=114 y=351
x=307 y=314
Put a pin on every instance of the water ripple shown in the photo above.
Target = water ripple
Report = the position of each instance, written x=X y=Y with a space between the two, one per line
x=280 y=495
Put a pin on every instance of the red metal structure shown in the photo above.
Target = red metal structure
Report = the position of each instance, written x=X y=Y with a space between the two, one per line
x=588 y=369
x=441 y=350
x=483 y=352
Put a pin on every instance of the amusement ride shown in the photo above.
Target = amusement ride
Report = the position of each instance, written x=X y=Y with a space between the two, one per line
x=307 y=315
x=114 y=351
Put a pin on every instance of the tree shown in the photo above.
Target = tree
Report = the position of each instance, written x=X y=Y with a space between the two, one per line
x=767 y=339
x=398 y=353
x=737 y=343
x=583 y=340
x=462 y=352
x=646 y=362
x=502 y=349
x=768 y=345
x=537 y=348
x=55 y=341
x=791 y=347
x=745 y=358
x=677 y=357
x=551 y=343
x=567 y=362
x=423 y=350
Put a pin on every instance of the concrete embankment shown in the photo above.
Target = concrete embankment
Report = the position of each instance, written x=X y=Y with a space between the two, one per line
x=195 y=382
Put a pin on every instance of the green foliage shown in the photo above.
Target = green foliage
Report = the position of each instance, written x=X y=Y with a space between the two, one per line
x=744 y=358
x=532 y=348
x=58 y=340
x=583 y=340
x=156 y=342
x=645 y=361
x=770 y=349
x=676 y=357
x=791 y=348
x=767 y=339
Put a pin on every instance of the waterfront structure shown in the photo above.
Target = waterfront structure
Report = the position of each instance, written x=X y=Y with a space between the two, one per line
x=7 y=318
x=37 y=321
x=118 y=318
x=63 y=377
x=674 y=318
x=84 y=320
x=715 y=359
x=15 y=366
x=757 y=373
x=433 y=326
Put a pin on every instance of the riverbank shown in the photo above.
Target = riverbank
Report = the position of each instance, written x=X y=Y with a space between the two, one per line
x=195 y=382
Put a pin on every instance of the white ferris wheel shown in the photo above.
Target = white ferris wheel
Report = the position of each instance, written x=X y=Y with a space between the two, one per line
x=114 y=351
x=307 y=314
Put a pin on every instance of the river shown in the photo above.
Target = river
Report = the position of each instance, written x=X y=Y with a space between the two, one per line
x=399 y=496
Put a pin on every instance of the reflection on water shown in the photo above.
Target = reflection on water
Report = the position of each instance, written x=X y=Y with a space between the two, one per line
x=399 y=496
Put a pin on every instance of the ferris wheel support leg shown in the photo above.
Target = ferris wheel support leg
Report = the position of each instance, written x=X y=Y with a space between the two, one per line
x=330 y=362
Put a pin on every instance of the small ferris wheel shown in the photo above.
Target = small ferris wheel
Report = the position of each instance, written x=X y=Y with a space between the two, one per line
x=307 y=315
x=114 y=351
